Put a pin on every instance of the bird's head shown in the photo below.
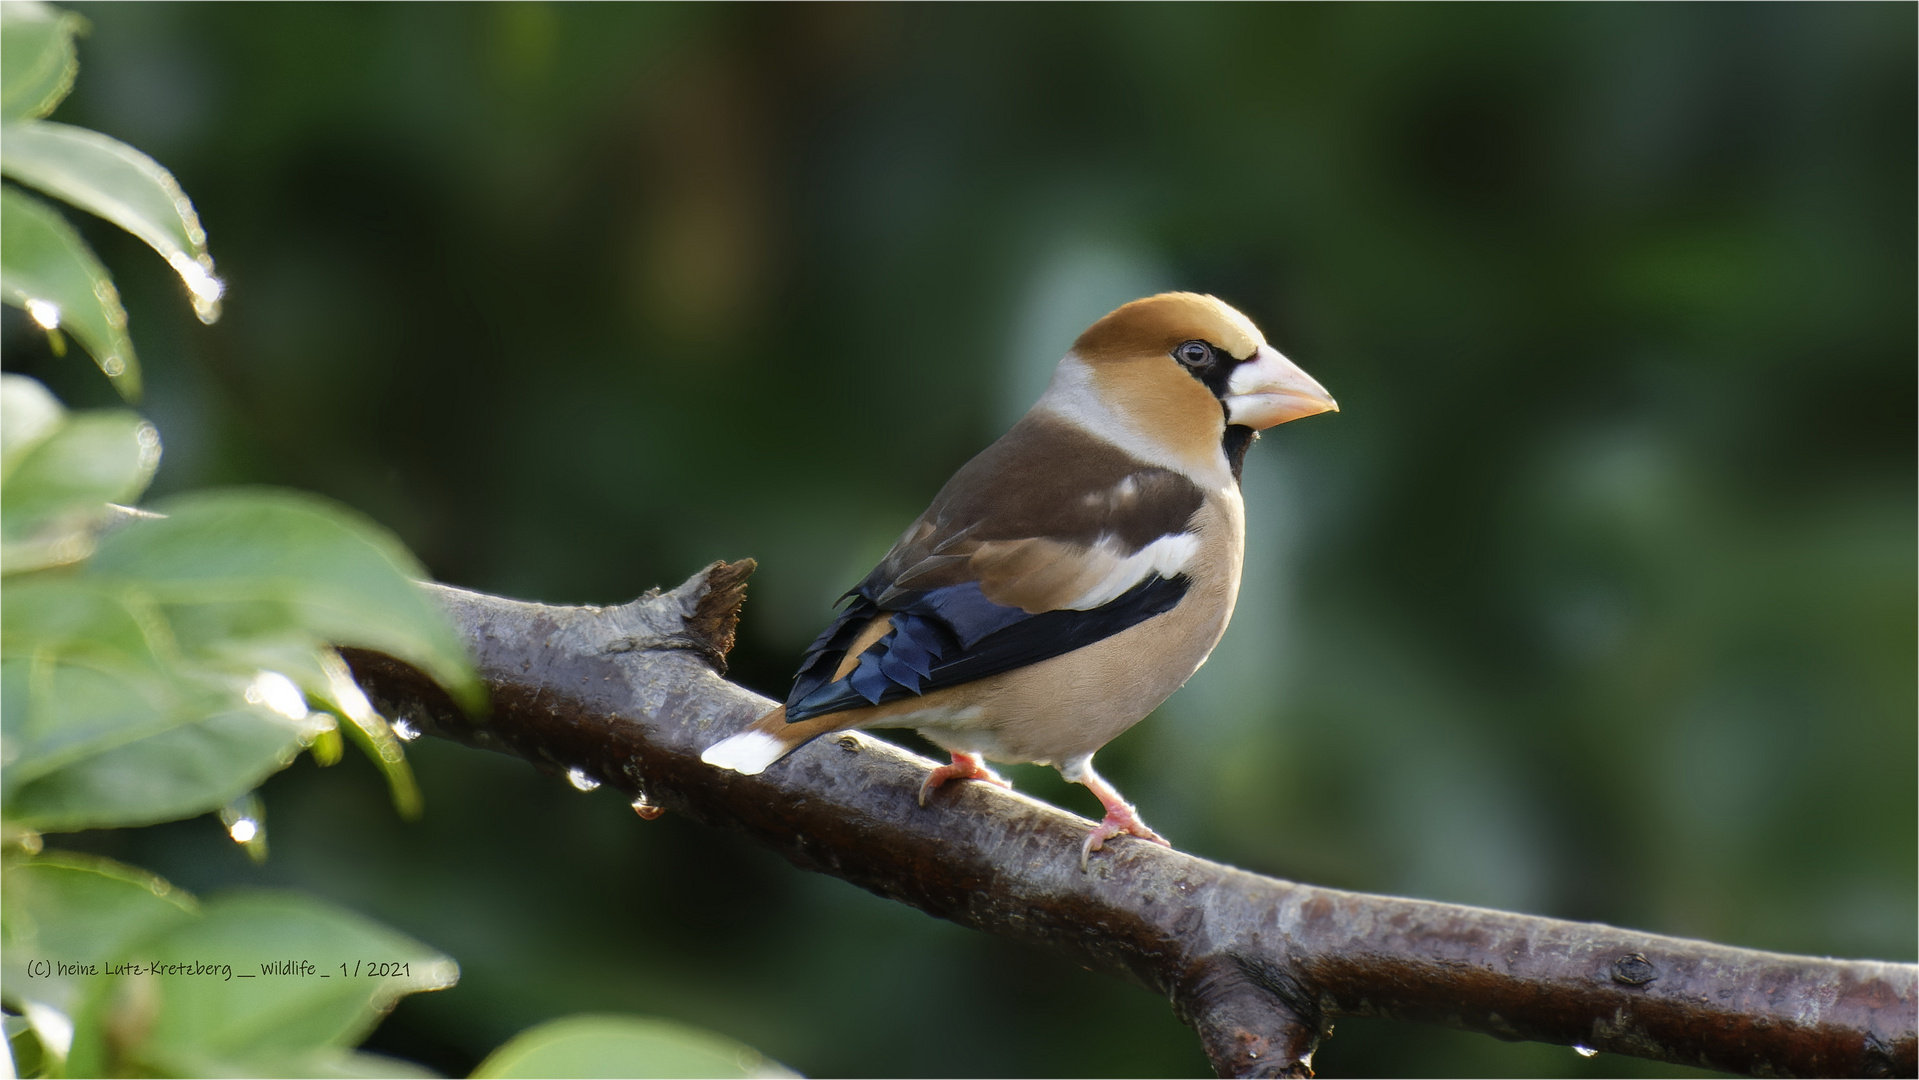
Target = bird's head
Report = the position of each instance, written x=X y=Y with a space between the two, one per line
x=1183 y=370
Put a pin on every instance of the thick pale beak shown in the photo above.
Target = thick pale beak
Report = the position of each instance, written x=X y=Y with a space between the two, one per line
x=1270 y=389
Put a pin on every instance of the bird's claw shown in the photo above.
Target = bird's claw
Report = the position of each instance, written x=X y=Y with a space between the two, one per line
x=1120 y=820
x=964 y=767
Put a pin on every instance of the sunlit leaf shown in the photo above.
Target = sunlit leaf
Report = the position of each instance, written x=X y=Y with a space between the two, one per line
x=345 y=579
x=80 y=910
x=82 y=676
x=138 y=688
x=187 y=769
x=69 y=712
x=612 y=1046
x=327 y=747
x=106 y=724
x=56 y=493
x=107 y=177
x=28 y=413
x=61 y=713
x=249 y=1018
x=28 y=1056
x=37 y=59
x=46 y=269
x=374 y=734
x=272 y=636
x=269 y=638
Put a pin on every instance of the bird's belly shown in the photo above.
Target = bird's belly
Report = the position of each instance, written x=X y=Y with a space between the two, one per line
x=1073 y=704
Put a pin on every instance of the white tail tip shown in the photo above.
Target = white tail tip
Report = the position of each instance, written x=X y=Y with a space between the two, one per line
x=749 y=752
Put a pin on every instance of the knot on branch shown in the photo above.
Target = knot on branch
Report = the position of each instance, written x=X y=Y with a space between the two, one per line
x=1252 y=1020
x=1633 y=969
x=715 y=617
x=709 y=614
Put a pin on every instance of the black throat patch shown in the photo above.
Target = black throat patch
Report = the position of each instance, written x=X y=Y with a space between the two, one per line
x=1239 y=438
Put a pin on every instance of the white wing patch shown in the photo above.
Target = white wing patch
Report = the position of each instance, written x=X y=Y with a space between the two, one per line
x=1166 y=556
x=1119 y=498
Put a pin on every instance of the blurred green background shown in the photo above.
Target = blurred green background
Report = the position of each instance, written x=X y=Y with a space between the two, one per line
x=1596 y=601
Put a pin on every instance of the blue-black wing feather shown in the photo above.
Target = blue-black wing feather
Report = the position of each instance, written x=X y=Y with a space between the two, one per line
x=953 y=634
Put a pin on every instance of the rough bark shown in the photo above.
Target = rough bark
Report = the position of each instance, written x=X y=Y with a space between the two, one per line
x=1259 y=967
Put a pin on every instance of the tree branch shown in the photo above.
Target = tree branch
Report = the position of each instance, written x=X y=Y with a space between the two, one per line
x=1258 y=966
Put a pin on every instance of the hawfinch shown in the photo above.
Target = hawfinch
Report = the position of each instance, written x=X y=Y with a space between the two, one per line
x=1071 y=576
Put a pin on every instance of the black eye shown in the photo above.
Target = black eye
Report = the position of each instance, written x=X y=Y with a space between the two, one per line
x=1194 y=353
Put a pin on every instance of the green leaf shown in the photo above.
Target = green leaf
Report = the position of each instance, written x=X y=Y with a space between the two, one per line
x=28 y=413
x=268 y=638
x=29 y=1056
x=344 y=1064
x=77 y=910
x=143 y=687
x=37 y=59
x=86 y=672
x=187 y=769
x=48 y=270
x=609 y=1046
x=63 y=713
x=103 y=726
x=105 y=176
x=56 y=493
x=343 y=578
x=249 y=1018
x=271 y=637
x=72 y=617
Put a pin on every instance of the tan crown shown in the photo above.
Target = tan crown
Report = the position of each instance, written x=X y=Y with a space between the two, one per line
x=1156 y=325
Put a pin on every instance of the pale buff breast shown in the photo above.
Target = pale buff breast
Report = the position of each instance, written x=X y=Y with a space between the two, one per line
x=1072 y=705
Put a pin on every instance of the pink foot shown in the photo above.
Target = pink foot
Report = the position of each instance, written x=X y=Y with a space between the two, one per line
x=1120 y=818
x=964 y=767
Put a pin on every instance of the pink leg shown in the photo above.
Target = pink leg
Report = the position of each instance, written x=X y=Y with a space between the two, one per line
x=964 y=767
x=1120 y=815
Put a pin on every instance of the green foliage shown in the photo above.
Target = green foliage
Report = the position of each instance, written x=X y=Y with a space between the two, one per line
x=260 y=567
x=166 y=669
x=613 y=1046
x=282 y=1019
x=82 y=934
x=37 y=59
x=58 y=473
x=76 y=911
x=158 y=664
x=275 y=984
x=49 y=271
x=109 y=178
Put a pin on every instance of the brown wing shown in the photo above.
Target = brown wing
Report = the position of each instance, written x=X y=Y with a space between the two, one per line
x=1048 y=541
x=1039 y=519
